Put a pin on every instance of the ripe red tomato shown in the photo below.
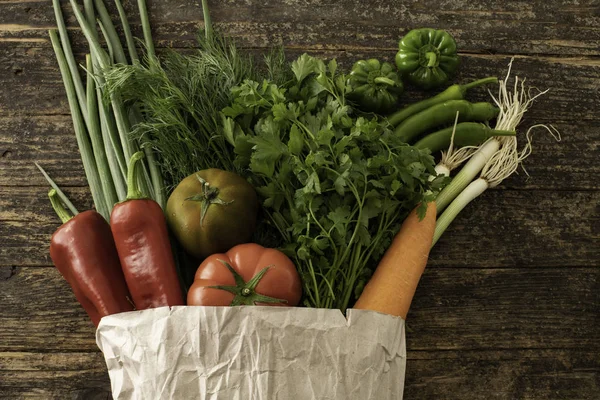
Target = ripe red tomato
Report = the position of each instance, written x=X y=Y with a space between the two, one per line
x=248 y=274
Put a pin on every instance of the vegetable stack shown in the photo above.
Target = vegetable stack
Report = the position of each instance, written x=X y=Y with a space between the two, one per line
x=300 y=156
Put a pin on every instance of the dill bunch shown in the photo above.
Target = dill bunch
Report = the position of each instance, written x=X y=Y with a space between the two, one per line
x=180 y=98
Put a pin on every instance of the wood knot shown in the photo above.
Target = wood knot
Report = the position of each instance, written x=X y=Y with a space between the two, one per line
x=7 y=273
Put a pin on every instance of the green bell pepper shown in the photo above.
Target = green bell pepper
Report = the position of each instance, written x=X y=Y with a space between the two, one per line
x=427 y=57
x=375 y=86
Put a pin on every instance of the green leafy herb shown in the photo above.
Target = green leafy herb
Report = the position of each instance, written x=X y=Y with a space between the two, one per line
x=334 y=185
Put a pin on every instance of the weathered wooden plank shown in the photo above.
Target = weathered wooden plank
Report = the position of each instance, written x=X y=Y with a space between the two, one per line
x=31 y=76
x=503 y=228
x=30 y=204
x=479 y=26
x=473 y=375
x=48 y=140
x=39 y=303
x=457 y=309
x=516 y=229
x=25 y=243
x=25 y=375
x=503 y=375
x=454 y=309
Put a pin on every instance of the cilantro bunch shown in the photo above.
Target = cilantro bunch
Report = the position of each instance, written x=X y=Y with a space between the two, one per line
x=335 y=185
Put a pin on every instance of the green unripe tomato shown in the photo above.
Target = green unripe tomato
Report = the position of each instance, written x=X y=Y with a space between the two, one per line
x=212 y=211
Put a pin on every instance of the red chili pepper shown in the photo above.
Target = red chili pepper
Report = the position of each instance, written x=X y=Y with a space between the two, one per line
x=83 y=251
x=140 y=231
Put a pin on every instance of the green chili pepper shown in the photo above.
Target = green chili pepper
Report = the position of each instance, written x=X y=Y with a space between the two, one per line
x=427 y=57
x=467 y=134
x=454 y=92
x=444 y=114
x=375 y=86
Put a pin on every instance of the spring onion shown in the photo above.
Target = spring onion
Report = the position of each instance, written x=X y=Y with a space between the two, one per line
x=146 y=29
x=112 y=150
x=111 y=33
x=497 y=159
x=122 y=120
x=90 y=14
x=109 y=46
x=101 y=122
x=511 y=113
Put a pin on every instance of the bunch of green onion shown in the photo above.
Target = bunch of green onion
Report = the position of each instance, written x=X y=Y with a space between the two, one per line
x=101 y=122
x=494 y=161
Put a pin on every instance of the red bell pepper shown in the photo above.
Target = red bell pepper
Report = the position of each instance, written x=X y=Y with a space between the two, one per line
x=139 y=228
x=83 y=251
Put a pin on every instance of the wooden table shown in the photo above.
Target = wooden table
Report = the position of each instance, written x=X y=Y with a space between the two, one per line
x=509 y=307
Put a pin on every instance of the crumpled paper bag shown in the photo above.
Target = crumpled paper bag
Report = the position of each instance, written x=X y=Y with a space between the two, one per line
x=253 y=353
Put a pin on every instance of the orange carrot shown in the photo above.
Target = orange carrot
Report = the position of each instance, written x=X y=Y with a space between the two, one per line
x=392 y=287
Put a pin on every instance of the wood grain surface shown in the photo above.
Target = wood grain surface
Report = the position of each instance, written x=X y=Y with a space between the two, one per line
x=509 y=307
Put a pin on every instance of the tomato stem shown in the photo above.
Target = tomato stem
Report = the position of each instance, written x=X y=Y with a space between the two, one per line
x=245 y=292
x=208 y=196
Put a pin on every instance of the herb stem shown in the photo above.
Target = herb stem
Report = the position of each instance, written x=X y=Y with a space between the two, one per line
x=323 y=231
x=355 y=263
x=360 y=205
x=314 y=279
